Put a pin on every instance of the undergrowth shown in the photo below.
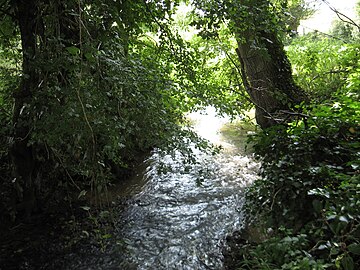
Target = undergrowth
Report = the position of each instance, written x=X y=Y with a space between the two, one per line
x=308 y=196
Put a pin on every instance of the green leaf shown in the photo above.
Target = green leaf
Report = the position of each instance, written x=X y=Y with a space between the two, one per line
x=348 y=263
x=343 y=219
x=106 y=236
x=73 y=50
x=317 y=206
x=89 y=57
x=82 y=193
x=86 y=208
x=354 y=248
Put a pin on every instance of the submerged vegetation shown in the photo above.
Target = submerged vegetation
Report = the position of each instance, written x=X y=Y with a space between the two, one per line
x=87 y=88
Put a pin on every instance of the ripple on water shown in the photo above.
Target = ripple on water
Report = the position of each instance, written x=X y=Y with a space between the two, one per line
x=179 y=224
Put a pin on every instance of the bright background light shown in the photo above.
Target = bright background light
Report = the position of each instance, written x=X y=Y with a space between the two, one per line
x=323 y=18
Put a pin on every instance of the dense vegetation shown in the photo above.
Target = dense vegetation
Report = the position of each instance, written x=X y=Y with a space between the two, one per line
x=306 y=205
x=88 y=87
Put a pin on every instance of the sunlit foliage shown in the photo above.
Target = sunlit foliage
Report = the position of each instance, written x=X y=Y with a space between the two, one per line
x=308 y=196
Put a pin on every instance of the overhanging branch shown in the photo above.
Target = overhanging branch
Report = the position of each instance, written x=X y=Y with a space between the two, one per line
x=341 y=15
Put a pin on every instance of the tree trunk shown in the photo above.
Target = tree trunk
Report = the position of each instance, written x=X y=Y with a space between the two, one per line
x=21 y=151
x=266 y=71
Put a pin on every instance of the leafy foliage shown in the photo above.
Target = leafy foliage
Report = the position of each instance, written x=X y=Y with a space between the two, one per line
x=321 y=65
x=310 y=180
x=104 y=93
x=114 y=79
x=343 y=31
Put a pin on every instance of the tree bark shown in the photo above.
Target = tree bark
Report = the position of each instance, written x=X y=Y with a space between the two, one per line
x=21 y=151
x=266 y=71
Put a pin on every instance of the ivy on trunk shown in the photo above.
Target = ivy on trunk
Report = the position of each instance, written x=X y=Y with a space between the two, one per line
x=265 y=68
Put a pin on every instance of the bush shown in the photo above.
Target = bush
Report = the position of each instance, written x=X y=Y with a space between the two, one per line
x=321 y=66
x=310 y=186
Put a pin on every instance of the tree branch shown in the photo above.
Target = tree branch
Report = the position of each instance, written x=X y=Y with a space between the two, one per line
x=330 y=72
x=325 y=34
x=162 y=27
x=342 y=16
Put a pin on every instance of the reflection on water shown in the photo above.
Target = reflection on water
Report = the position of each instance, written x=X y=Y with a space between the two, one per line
x=207 y=124
x=180 y=217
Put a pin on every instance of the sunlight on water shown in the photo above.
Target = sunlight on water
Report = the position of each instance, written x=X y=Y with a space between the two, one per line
x=180 y=218
x=207 y=124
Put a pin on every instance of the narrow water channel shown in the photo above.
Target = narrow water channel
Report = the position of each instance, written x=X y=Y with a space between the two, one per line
x=179 y=219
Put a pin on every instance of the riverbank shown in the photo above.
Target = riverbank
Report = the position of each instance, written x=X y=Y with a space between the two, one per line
x=78 y=231
x=172 y=220
x=55 y=240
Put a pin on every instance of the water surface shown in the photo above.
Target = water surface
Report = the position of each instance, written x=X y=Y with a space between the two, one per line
x=179 y=219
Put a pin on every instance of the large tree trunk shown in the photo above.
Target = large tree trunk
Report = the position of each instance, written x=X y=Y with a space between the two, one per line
x=21 y=150
x=266 y=71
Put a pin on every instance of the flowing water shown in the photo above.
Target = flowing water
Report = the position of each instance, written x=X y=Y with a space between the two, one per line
x=179 y=218
x=174 y=220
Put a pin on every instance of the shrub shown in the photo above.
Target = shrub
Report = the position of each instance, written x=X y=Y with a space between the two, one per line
x=310 y=186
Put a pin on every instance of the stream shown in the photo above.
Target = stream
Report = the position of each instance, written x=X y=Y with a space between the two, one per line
x=179 y=218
